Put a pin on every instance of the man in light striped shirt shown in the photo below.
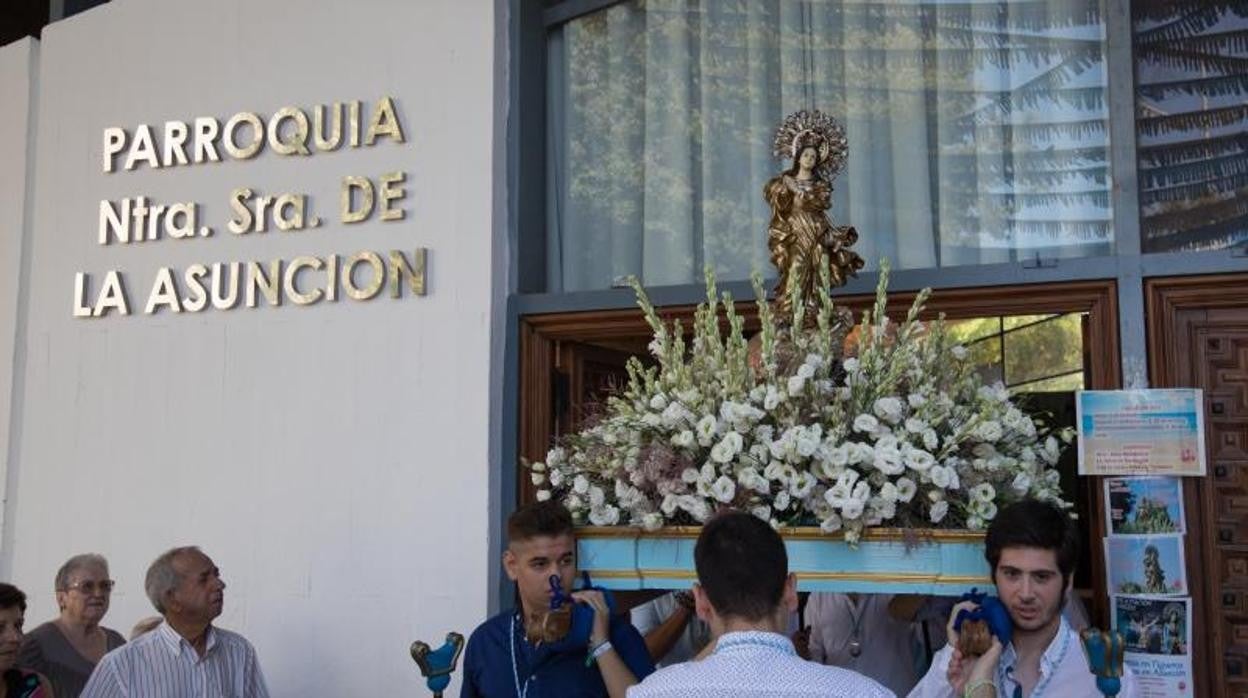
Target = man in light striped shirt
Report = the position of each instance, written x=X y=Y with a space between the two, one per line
x=185 y=657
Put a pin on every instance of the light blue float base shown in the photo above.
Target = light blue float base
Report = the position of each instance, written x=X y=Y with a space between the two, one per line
x=941 y=563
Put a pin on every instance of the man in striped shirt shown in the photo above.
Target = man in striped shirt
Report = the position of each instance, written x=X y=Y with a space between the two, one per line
x=185 y=657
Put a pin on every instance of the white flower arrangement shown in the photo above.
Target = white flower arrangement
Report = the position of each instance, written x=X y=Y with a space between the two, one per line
x=902 y=434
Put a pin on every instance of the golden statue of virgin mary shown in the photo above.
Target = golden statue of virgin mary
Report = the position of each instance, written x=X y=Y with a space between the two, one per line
x=800 y=236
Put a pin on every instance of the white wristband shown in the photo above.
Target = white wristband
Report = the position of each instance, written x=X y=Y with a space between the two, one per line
x=601 y=649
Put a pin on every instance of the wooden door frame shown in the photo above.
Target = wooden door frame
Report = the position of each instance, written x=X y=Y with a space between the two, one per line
x=541 y=334
x=1165 y=297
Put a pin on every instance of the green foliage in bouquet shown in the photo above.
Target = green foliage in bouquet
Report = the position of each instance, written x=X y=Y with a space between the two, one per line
x=903 y=433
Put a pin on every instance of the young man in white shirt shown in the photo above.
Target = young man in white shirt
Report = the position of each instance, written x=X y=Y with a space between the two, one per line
x=1031 y=548
x=746 y=595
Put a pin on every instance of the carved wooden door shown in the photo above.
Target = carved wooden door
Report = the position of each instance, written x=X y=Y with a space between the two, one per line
x=1198 y=337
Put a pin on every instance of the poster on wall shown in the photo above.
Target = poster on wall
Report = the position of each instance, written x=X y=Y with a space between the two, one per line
x=1146 y=565
x=1141 y=432
x=1158 y=636
x=1144 y=505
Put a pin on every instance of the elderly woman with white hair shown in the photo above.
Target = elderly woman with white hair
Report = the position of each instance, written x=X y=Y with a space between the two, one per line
x=67 y=649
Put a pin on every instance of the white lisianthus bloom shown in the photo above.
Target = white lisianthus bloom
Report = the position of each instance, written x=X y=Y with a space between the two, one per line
x=543 y=495
x=705 y=430
x=621 y=489
x=889 y=409
x=782 y=501
x=918 y=459
x=596 y=497
x=955 y=481
x=847 y=479
x=669 y=504
x=751 y=480
x=930 y=440
x=538 y=467
x=860 y=453
x=652 y=521
x=940 y=476
x=938 y=511
x=689 y=475
x=580 y=485
x=914 y=425
x=760 y=452
x=703 y=488
x=986 y=511
x=806 y=371
x=801 y=485
x=975 y=523
x=727 y=448
x=866 y=424
x=916 y=400
x=609 y=438
x=906 y=489
x=959 y=352
x=796 y=384
x=573 y=503
x=850 y=364
x=556 y=457
x=935 y=495
x=853 y=508
x=724 y=489
x=651 y=419
x=831 y=524
x=772 y=399
x=556 y=478
x=762 y=511
x=1051 y=451
x=808 y=441
x=838 y=456
x=684 y=439
x=983 y=492
x=837 y=495
x=889 y=493
x=604 y=516
x=989 y=431
x=758 y=393
x=887 y=457
x=774 y=471
x=1022 y=483
x=763 y=433
x=862 y=491
x=658 y=402
x=708 y=473
x=537 y=478
x=699 y=511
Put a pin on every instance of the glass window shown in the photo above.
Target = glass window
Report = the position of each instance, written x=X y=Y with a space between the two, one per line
x=977 y=131
x=1028 y=353
x=1192 y=107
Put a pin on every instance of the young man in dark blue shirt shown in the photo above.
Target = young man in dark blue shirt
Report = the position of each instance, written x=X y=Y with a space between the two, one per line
x=501 y=661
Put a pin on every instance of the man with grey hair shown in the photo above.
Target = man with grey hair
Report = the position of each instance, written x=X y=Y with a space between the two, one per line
x=185 y=657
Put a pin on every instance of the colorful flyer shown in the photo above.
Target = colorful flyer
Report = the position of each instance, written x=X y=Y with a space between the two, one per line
x=1146 y=565
x=1141 y=432
x=1144 y=505
x=1158 y=635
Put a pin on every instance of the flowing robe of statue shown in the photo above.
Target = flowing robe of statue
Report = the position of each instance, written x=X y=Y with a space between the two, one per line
x=800 y=238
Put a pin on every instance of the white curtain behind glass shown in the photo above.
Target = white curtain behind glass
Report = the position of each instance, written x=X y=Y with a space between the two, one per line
x=976 y=132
